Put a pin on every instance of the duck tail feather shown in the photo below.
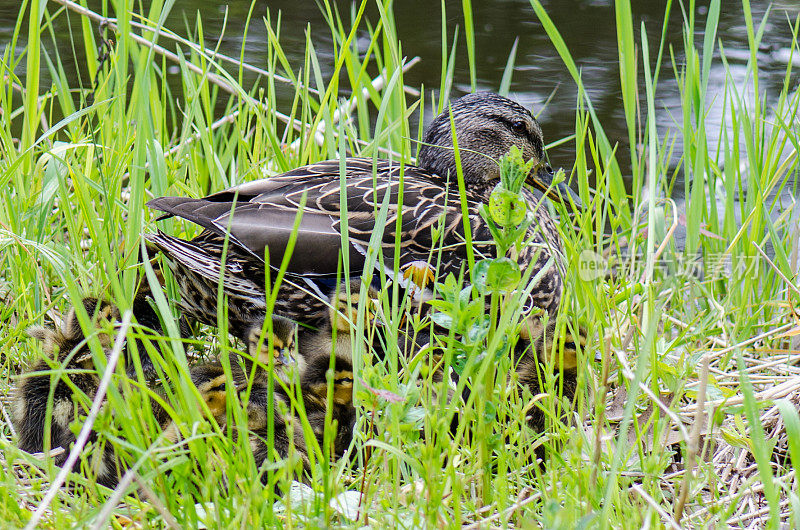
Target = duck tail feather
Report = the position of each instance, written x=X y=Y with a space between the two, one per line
x=201 y=212
x=194 y=210
x=191 y=257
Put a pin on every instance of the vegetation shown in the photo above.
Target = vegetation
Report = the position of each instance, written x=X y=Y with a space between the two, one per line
x=712 y=322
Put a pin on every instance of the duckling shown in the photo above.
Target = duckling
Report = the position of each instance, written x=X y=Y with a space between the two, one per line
x=319 y=349
x=249 y=372
x=211 y=383
x=340 y=319
x=314 y=385
x=319 y=352
x=288 y=429
x=67 y=343
x=33 y=420
x=282 y=344
x=531 y=368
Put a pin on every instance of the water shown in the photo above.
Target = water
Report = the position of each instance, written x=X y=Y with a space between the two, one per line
x=587 y=26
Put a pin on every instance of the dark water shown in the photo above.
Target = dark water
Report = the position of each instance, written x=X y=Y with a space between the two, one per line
x=588 y=27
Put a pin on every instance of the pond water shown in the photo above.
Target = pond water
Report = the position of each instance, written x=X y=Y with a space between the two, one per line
x=588 y=27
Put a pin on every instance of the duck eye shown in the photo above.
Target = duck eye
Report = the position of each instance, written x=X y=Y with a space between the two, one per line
x=519 y=127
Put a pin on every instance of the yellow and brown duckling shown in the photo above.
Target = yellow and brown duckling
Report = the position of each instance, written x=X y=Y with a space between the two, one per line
x=250 y=372
x=211 y=383
x=321 y=375
x=287 y=430
x=327 y=363
x=531 y=368
x=275 y=347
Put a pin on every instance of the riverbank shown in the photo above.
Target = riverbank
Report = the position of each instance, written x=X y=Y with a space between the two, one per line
x=712 y=320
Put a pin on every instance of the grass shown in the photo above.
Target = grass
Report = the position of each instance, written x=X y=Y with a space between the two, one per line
x=712 y=321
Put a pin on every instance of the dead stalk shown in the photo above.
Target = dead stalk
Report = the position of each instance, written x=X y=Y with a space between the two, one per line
x=601 y=409
x=694 y=441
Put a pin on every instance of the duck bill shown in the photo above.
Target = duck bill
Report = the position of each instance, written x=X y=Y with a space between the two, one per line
x=285 y=357
x=543 y=181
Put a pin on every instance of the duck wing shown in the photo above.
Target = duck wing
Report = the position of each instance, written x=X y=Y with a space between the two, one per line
x=260 y=215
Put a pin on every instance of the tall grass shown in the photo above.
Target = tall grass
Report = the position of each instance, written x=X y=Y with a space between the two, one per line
x=79 y=162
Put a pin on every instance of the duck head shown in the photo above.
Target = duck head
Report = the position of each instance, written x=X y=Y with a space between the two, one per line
x=487 y=125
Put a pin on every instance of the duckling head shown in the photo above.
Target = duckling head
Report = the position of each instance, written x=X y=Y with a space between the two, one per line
x=487 y=125
x=211 y=383
x=213 y=393
x=280 y=346
x=69 y=336
x=344 y=308
x=315 y=378
x=566 y=358
x=574 y=344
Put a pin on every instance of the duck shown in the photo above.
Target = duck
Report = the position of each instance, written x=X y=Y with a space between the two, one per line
x=242 y=224
x=66 y=345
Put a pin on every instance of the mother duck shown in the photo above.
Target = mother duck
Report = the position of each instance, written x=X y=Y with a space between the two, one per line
x=257 y=218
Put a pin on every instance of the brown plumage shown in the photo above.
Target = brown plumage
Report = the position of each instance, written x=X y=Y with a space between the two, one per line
x=260 y=215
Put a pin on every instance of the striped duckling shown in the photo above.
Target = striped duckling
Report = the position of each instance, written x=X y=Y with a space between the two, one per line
x=327 y=371
x=35 y=413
